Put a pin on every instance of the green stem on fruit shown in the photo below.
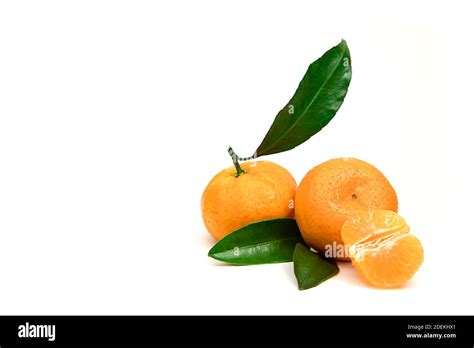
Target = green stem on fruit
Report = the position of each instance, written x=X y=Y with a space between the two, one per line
x=235 y=160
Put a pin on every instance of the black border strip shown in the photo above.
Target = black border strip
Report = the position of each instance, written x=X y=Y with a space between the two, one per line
x=243 y=330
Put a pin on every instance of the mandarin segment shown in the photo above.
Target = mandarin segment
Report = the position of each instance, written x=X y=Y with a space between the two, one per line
x=367 y=224
x=265 y=191
x=381 y=248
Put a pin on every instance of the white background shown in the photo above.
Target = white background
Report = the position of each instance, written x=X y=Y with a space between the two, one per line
x=114 y=116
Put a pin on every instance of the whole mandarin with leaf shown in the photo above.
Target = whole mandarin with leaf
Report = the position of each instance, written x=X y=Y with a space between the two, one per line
x=330 y=192
x=256 y=191
x=266 y=191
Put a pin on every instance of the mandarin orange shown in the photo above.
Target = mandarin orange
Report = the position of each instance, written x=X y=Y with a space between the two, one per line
x=264 y=191
x=332 y=191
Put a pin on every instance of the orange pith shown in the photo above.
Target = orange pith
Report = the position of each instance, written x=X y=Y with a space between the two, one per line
x=265 y=191
x=381 y=248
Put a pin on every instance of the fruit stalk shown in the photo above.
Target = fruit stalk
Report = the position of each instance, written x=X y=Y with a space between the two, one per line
x=235 y=160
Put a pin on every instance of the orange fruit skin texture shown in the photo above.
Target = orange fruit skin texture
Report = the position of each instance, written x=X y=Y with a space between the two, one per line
x=332 y=191
x=265 y=191
x=381 y=248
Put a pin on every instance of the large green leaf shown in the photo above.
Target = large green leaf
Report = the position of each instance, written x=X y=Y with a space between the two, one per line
x=319 y=95
x=267 y=241
x=311 y=269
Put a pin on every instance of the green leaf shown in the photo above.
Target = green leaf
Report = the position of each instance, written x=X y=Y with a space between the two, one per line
x=267 y=241
x=319 y=95
x=311 y=269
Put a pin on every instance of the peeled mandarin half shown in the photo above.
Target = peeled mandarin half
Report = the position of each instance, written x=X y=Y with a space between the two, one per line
x=381 y=248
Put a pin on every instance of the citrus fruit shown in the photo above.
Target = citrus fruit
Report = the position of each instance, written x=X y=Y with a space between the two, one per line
x=381 y=248
x=333 y=190
x=264 y=191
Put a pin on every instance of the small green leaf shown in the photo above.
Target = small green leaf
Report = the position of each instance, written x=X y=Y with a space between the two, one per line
x=311 y=269
x=267 y=241
x=318 y=97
